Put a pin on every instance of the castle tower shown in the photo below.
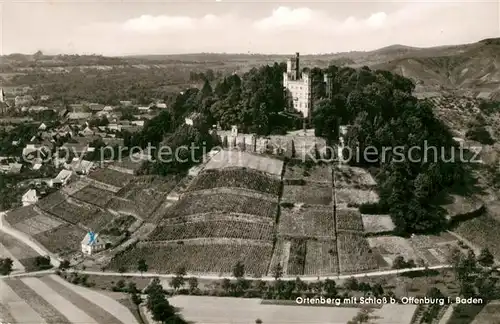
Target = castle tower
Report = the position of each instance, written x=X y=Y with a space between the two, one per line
x=297 y=66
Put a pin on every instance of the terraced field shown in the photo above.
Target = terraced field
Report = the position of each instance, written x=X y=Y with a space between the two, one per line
x=309 y=193
x=203 y=256
x=310 y=221
x=110 y=179
x=230 y=159
x=355 y=254
x=222 y=203
x=207 y=229
x=321 y=258
x=94 y=196
x=51 y=299
x=349 y=219
x=237 y=178
x=63 y=239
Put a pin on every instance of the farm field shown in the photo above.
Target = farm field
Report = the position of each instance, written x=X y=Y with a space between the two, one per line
x=51 y=200
x=206 y=229
x=321 y=258
x=431 y=249
x=20 y=253
x=297 y=258
x=61 y=240
x=281 y=254
x=216 y=256
x=228 y=159
x=489 y=314
x=377 y=223
x=307 y=221
x=355 y=254
x=349 y=219
x=37 y=224
x=94 y=196
x=244 y=310
x=481 y=231
x=50 y=299
x=75 y=212
x=20 y=214
x=111 y=177
x=223 y=203
x=309 y=193
x=314 y=173
x=352 y=177
x=354 y=197
x=237 y=178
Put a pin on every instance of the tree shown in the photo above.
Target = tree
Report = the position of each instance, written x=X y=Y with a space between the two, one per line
x=330 y=288
x=278 y=272
x=136 y=298
x=485 y=258
x=132 y=287
x=65 y=264
x=42 y=262
x=142 y=266
x=363 y=316
x=399 y=262
x=6 y=266
x=226 y=285
x=193 y=284
x=351 y=284
x=239 y=270
x=258 y=321
x=177 y=282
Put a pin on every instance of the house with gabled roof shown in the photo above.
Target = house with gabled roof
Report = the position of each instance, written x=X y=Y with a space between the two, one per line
x=92 y=243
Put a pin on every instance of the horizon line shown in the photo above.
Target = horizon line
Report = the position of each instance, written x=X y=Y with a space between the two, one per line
x=255 y=53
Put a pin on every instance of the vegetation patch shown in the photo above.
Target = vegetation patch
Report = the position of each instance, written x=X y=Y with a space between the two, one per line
x=238 y=178
x=310 y=193
x=223 y=229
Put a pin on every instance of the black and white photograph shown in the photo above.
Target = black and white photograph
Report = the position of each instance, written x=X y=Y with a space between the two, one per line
x=249 y=162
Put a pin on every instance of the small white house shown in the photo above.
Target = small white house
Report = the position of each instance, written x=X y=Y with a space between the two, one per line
x=62 y=178
x=30 y=197
x=91 y=243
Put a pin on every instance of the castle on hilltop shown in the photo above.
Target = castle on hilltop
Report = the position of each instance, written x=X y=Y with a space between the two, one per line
x=299 y=86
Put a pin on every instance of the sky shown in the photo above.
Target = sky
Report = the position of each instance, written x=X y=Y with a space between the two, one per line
x=112 y=27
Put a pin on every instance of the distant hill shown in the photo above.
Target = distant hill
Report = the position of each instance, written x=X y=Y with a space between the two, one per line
x=468 y=68
x=465 y=67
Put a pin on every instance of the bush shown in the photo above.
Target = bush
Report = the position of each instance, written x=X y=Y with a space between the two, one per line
x=373 y=208
x=480 y=134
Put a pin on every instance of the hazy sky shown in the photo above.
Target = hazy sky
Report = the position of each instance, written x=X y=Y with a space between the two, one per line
x=164 y=27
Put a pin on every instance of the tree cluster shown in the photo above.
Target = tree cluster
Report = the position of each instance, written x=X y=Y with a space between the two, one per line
x=6 y=266
x=158 y=305
x=381 y=113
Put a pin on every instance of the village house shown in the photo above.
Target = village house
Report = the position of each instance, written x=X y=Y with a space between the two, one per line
x=42 y=127
x=62 y=178
x=79 y=116
x=30 y=197
x=95 y=107
x=126 y=103
x=91 y=244
x=25 y=100
x=44 y=97
x=191 y=119
x=80 y=166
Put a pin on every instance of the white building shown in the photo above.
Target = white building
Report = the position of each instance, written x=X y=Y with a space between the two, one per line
x=62 y=178
x=30 y=197
x=298 y=86
x=91 y=243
